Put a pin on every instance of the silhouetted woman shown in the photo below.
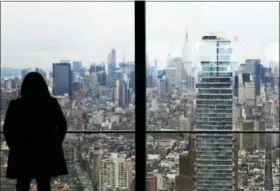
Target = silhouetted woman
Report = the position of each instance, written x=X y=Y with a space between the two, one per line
x=34 y=129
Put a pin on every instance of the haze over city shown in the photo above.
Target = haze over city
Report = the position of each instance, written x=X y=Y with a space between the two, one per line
x=255 y=24
x=210 y=98
x=36 y=34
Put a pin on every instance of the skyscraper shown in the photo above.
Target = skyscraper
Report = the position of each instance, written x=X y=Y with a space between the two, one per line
x=42 y=72
x=214 y=169
x=268 y=178
x=162 y=87
x=113 y=57
x=111 y=77
x=77 y=66
x=24 y=72
x=188 y=67
x=124 y=93
x=253 y=66
x=62 y=79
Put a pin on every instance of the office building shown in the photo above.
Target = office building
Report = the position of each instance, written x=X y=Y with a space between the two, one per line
x=101 y=78
x=24 y=72
x=124 y=93
x=116 y=92
x=170 y=75
x=253 y=66
x=132 y=80
x=77 y=86
x=62 y=79
x=112 y=64
x=268 y=178
x=214 y=157
x=42 y=72
x=185 y=179
x=77 y=66
x=151 y=76
x=162 y=88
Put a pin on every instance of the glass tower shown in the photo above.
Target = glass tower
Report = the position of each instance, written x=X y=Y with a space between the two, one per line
x=62 y=79
x=214 y=99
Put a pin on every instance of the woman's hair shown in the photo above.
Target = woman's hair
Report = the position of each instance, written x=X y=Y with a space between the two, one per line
x=34 y=86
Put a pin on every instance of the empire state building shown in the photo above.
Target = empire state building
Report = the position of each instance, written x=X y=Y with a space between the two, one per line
x=189 y=68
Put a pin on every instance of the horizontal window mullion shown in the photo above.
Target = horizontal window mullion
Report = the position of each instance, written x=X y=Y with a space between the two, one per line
x=212 y=132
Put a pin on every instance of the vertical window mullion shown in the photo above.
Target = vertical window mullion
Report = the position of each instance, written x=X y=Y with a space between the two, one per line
x=140 y=97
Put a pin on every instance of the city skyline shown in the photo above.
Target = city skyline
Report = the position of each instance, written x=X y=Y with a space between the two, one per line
x=167 y=26
x=42 y=46
x=210 y=98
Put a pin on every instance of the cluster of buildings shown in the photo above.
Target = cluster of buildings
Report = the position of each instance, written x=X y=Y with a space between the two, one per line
x=216 y=98
x=108 y=161
x=223 y=100
x=97 y=97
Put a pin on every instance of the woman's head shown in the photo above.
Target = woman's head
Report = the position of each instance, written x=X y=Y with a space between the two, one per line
x=34 y=86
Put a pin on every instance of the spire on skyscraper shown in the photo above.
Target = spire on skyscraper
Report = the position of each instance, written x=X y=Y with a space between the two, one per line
x=187 y=35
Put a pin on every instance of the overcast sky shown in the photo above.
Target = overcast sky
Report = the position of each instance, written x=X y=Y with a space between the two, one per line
x=256 y=24
x=38 y=34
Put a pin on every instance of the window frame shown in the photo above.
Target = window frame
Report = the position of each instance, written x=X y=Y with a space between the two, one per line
x=140 y=131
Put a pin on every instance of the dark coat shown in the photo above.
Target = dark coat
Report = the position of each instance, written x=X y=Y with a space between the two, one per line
x=34 y=132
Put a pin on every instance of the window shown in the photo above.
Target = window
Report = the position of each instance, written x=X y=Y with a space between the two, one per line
x=192 y=139
x=85 y=52
x=182 y=108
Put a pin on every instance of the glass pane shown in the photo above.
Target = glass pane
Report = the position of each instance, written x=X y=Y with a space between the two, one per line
x=203 y=80
x=85 y=53
x=94 y=161
x=87 y=62
x=197 y=161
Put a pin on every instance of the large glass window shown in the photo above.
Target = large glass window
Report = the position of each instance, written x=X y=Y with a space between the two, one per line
x=208 y=88
x=85 y=52
x=195 y=110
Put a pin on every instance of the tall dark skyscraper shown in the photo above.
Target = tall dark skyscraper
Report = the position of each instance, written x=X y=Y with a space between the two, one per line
x=62 y=79
x=162 y=88
x=101 y=78
x=268 y=178
x=124 y=94
x=132 y=80
x=253 y=66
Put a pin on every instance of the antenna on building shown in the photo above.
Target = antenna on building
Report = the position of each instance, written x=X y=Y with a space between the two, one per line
x=169 y=60
x=187 y=35
x=123 y=57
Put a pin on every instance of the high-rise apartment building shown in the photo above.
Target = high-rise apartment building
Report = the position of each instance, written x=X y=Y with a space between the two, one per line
x=214 y=158
x=62 y=79
x=115 y=172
